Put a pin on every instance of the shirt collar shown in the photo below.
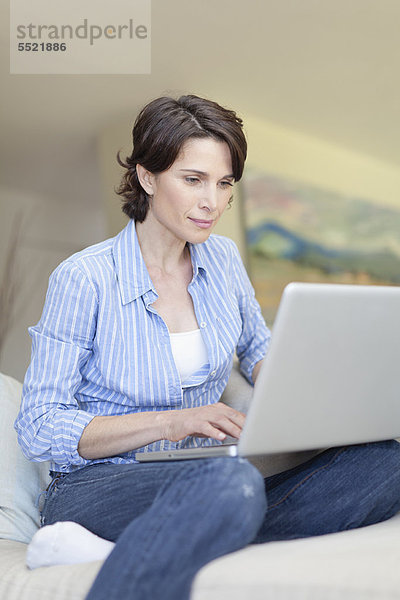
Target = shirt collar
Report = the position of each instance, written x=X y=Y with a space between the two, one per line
x=198 y=257
x=132 y=274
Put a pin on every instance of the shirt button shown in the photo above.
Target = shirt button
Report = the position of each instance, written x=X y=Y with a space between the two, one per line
x=213 y=372
x=203 y=324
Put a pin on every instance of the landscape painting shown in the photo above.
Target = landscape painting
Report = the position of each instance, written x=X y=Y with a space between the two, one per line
x=297 y=232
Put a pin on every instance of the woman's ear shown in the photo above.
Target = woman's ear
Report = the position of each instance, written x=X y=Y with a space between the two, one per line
x=145 y=179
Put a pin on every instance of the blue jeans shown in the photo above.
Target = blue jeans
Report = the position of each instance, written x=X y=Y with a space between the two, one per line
x=169 y=519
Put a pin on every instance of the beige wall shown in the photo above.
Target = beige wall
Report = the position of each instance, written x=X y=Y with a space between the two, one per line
x=287 y=153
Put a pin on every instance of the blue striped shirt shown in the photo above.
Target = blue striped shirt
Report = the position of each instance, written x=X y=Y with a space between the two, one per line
x=100 y=348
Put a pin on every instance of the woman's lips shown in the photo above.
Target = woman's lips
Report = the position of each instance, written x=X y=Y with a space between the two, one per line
x=202 y=223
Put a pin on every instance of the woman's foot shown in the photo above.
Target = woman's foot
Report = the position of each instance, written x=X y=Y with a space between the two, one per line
x=65 y=543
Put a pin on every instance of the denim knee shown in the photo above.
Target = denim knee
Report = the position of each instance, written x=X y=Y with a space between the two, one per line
x=242 y=493
x=391 y=448
x=248 y=480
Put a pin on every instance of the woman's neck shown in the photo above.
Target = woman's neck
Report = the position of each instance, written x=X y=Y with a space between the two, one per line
x=160 y=249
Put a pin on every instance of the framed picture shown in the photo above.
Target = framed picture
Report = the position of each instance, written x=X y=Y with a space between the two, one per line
x=297 y=232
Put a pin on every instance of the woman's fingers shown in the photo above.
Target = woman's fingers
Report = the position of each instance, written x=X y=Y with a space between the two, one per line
x=208 y=430
x=231 y=419
x=215 y=420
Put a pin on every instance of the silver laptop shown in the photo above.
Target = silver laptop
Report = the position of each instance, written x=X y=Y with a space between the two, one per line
x=331 y=376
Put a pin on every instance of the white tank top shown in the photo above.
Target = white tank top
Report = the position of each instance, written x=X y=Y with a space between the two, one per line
x=189 y=352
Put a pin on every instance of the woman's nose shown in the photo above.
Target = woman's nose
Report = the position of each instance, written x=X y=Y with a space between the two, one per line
x=209 y=199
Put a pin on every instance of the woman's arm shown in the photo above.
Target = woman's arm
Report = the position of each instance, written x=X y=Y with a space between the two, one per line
x=50 y=421
x=255 y=336
x=256 y=370
x=111 y=435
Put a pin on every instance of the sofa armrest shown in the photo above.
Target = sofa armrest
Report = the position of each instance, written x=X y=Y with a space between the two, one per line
x=238 y=392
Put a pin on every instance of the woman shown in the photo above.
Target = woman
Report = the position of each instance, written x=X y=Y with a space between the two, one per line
x=132 y=353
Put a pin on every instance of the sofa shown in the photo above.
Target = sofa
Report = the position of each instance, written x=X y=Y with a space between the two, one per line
x=360 y=564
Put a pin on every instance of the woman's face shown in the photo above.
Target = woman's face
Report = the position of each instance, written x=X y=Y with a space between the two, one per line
x=189 y=198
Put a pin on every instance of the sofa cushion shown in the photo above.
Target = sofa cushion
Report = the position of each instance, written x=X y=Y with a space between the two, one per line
x=21 y=480
x=358 y=564
x=61 y=582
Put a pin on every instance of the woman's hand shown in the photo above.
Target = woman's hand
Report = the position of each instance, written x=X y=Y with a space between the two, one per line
x=214 y=420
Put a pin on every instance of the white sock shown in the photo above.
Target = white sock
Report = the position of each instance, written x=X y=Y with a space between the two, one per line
x=65 y=543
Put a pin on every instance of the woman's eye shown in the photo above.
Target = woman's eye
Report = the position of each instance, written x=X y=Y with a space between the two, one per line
x=191 y=179
x=226 y=184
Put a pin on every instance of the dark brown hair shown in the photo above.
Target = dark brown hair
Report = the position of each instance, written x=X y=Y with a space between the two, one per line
x=159 y=132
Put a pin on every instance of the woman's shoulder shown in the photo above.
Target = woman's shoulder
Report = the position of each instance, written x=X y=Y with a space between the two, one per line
x=95 y=251
x=90 y=262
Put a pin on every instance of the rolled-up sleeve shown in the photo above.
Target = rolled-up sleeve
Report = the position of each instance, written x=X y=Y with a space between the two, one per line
x=255 y=336
x=50 y=422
